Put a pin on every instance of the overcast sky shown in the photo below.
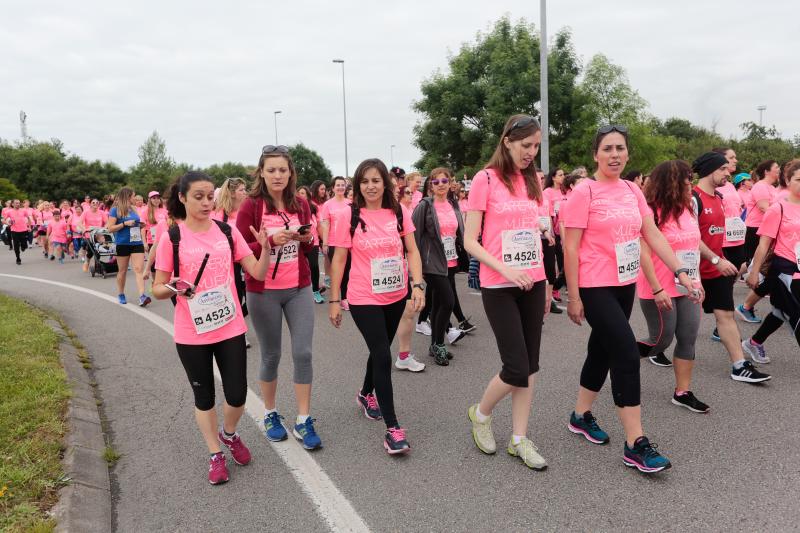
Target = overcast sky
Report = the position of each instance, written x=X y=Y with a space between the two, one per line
x=101 y=76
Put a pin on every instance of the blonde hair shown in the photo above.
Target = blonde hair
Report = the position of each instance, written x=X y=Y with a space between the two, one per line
x=122 y=201
x=226 y=194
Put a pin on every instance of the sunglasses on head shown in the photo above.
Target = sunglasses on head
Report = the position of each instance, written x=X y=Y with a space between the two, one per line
x=272 y=149
x=608 y=128
x=522 y=123
x=441 y=181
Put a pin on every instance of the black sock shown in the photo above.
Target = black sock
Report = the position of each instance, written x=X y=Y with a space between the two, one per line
x=228 y=435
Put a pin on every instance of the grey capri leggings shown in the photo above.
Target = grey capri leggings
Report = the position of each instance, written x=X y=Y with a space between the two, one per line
x=682 y=324
x=267 y=310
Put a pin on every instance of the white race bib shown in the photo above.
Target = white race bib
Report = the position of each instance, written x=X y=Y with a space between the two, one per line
x=690 y=260
x=628 y=259
x=450 y=252
x=556 y=207
x=735 y=229
x=522 y=249
x=153 y=233
x=212 y=309
x=545 y=221
x=387 y=274
x=290 y=249
x=797 y=254
x=135 y=234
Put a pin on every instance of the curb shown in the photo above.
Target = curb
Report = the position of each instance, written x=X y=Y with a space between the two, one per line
x=85 y=503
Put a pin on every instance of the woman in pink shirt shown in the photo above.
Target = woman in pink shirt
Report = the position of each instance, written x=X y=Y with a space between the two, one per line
x=208 y=321
x=19 y=222
x=76 y=232
x=504 y=212
x=57 y=236
x=554 y=255
x=413 y=181
x=312 y=256
x=327 y=218
x=762 y=197
x=377 y=232
x=46 y=215
x=603 y=224
x=231 y=195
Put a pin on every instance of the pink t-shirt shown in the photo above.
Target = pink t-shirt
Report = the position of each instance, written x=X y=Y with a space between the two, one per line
x=416 y=198
x=788 y=239
x=610 y=213
x=683 y=236
x=218 y=274
x=760 y=191
x=732 y=204
x=97 y=219
x=555 y=198
x=86 y=206
x=329 y=210
x=160 y=214
x=781 y=195
x=510 y=227
x=19 y=219
x=463 y=205
x=288 y=274
x=76 y=225
x=448 y=228
x=746 y=197
x=57 y=231
x=47 y=217
x=5 y=211
x=378 y=270
x=220 y=215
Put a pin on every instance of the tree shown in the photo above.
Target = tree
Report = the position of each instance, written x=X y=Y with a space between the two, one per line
x=155 y=168
x=9 y=191
x=227 y=170
x=309 y=165
x=610 y=97
x=761 y=143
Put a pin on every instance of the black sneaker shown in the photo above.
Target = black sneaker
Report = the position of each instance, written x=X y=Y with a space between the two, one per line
x=660 y=359
x=439 y=354
x=19 y=261
x=748 y=374
x=688 y=401
x=466 y=326
x=555 y=309
x=369 y=404
x=644 y=349
x=395 y=441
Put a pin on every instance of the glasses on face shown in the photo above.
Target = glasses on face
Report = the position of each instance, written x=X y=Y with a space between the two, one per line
x=442 y=181
x=408 y=193
x=272 y=149
x=608 y=128
x=156 y=197
x=522 y=123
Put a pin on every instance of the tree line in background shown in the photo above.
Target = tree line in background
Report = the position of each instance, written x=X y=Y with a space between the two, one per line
x=464 y=110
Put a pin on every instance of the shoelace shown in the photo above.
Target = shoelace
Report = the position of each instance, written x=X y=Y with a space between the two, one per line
x=274 y=418
x=592 y=423
x=760 y=349
x=526 y=448
x=372 y=401
x=650 y=450
x=397 y=434
x=309 y=427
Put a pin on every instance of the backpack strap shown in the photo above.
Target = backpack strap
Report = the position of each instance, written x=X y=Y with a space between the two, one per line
x=175 y=238
x=225 y=216
x=226 y=230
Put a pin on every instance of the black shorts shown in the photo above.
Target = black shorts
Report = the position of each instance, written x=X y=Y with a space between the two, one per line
x=719 y=294
x=125 y=250
x=735 y=254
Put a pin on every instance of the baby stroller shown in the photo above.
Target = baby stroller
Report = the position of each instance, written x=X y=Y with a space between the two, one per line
x=101 y=252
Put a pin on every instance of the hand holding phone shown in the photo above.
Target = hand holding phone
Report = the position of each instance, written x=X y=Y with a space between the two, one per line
x=304 y=229
x=180 y=287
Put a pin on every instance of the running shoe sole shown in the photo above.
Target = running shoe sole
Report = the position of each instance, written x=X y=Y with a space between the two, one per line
x=468 y=330
x=220 y=482
x=400 y=367
x=513 y=453
x=396 y=452
x=692 y=409
x=579 y=431
x=749 y=379
x=655 y=362
x=299 y=437
x=644 y=469
x=454 y=341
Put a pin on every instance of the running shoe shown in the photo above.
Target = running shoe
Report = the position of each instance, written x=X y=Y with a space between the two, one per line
x=748 y=374
x=557 y=295
x=528 y=452
x=748 y=315
x=52 y=258
x=19 y=261
x=345 y=306
x=439 y=354
x=61 y=260
x=454 y=335
x=307 y=435
x=121 y=298
x=144 y=300
x=247 y=342
x=688 y=400
x=240 y=453
x=217 y=469
x=715 y=336
x=328 y=282
x=756 y=351
x=660 y=359
x=369 y=404
x=273 y=427
x=395 y=441
x=424 y=328
x=409 y=363
x=318 y=298
x=645 y=457
x=466 y=326
x=586 y=425
x=482 y=431
x=555 y=309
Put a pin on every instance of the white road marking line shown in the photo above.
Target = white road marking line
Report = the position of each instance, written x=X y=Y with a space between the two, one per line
x=332 y=506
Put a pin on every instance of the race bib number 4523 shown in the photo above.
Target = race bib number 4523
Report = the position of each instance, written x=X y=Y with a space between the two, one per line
x=212 y=309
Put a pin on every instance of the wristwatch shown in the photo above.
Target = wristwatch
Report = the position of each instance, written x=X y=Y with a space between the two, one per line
x=681 y=271
x=421 y=285
x=715 y=260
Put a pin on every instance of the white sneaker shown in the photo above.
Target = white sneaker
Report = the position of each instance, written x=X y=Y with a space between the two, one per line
x=454 y=335
x=409 y=363
x=424 y=328
x=756 y=352
x=247 y=342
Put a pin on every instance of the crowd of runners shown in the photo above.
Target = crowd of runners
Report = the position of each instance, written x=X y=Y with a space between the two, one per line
x=386 y=248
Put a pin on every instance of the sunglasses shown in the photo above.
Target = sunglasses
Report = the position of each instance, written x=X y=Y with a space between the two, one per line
x=272 y=149
x=522 y=123
x=408 y=193
x=443 y=181
x=608 y=128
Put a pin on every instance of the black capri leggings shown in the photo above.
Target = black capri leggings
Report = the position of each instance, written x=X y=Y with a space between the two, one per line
x=313 y=264
x=549 y=255
x=378 y=325
x=451 y=275
x=516 y=320
x=345 y=275
x=751 y=239
x=231 y=356
x=441 y=305
x=612 y=345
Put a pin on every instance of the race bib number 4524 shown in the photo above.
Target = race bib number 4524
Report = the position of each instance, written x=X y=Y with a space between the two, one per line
x=387 y=274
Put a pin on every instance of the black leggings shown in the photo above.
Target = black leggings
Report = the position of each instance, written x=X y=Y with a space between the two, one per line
x=19 y=240
x=772 y=323
x=751 y=240
x=442 y=305
x=549 y=259
x=451 y=275
x=345 y=275
x=612 y=345
x=516 y=320
x=313 y=263
x=560 y=280
x=241 y=288
x=378 y=325
x=231 y=356
x=426 y=311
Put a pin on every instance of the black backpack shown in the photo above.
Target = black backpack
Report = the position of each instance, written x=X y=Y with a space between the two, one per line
x=175 y=239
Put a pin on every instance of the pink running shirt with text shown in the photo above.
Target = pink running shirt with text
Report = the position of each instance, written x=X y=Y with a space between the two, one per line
x=683 y=236
x=788 y=238
x=448 y=225
x=760 y=191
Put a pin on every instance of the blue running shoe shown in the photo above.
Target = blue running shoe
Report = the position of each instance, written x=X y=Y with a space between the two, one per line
x=273 y=427
x=306 y=433
x=121 y=298
x=586 y=425
x=318 y=298
x=644 y=457
x=715 y=336
x=748 y=315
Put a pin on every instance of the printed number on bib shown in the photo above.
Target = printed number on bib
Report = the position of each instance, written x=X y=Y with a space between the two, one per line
x=212 y=309
x=628 y=258
x=136 y=234
x=690 y=260
x=387 y=274
x=522 y=249
x=545 y=222
x=735 y=229
x=290 y=249
x=450 y=252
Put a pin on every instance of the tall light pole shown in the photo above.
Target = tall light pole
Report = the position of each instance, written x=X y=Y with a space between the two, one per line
x=543 y=88
x=391 y=149
x=275 y=118
x=344 y=108
x=761 y=110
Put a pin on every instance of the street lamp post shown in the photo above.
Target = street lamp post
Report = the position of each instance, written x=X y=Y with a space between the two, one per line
x=344 y=108
x=391 y=149
x=761 y=110
x=275 y=118
x=543 y=90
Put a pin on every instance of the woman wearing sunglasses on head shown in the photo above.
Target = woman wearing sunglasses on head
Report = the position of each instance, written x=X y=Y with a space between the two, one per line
x=376 y=231
x=503 y=210
x=208 y=319
x=604 y=221
x=286 y=292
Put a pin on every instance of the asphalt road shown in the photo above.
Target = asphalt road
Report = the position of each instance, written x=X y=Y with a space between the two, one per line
x=735 y=469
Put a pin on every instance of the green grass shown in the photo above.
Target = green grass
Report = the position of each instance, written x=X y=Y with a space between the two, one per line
x=111 y=456
x=34 y=399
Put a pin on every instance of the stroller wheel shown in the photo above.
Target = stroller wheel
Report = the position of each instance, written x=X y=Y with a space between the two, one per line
x=91 y=270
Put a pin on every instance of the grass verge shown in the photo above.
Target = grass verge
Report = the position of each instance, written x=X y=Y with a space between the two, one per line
x=32 y=410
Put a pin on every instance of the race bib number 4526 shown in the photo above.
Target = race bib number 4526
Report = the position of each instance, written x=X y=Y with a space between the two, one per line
x=522 y=248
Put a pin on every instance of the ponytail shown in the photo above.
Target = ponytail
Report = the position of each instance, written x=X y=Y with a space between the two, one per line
x=181 y=185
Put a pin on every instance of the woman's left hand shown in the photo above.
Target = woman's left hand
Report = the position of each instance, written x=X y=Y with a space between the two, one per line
x=417 y=299
x=261 y=237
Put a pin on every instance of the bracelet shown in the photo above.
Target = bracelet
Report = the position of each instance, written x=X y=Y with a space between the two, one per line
x=334 y=301
x=659 y=291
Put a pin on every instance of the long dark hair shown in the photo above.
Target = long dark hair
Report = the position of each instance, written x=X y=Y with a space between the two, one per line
x=517 y=127
x=763 y=168
x=289 y=195
x=667 y=192
x=314 y=196
x=311 y=204
x=549 y=179
x=388 y=201
x=181 y=185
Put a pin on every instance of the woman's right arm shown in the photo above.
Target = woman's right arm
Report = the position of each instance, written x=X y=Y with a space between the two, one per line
x=337 y=271
x=571 y=241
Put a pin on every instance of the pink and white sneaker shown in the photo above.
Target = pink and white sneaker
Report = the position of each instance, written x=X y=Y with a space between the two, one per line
x=395 y=441
x=217 y=469
x=240 y=453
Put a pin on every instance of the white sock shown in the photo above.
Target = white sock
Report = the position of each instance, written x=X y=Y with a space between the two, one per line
x=516 y=439
x=738 y=364
x=268 y=412
x=301 y=419
x=480 y=416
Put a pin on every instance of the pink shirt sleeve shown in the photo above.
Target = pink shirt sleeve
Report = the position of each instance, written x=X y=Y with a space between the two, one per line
x=164 y=253
x=479 y=192
x=577 y=216
x=340 y=230
x=240 y=247
x=772 y=218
